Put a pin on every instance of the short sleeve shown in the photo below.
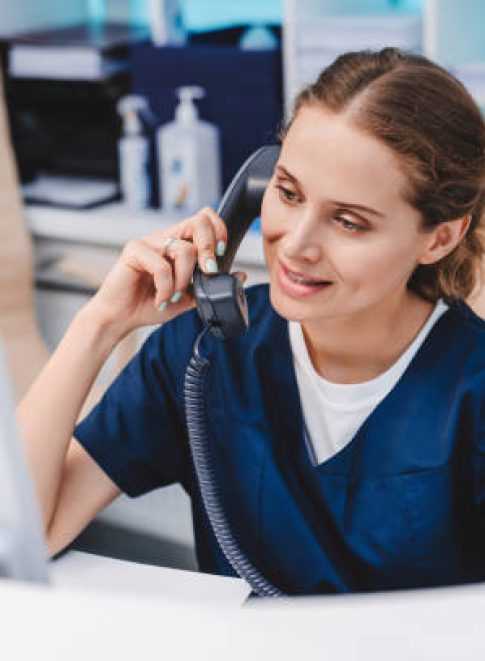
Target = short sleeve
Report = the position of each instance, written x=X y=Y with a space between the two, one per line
x=137 y=432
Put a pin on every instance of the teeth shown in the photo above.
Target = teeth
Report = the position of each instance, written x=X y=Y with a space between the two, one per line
x=301 y=281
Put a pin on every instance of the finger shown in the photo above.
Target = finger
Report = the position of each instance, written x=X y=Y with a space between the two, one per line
x=143 y=258
x=209 y=233
x=240 y=275
x=181 y=254
x=220 y=229
x=174 y=309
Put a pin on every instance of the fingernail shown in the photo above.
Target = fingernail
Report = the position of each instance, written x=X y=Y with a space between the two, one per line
x=162 y=306
x=176 y=297
x=211 y=265
x=220 y=248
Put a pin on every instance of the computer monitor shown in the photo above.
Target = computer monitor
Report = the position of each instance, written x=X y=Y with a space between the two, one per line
x=22 y=549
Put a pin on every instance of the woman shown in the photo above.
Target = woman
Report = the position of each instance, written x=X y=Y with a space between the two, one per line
x=348 y=423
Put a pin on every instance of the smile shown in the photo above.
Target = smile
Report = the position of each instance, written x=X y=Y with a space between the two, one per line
x=298 y=285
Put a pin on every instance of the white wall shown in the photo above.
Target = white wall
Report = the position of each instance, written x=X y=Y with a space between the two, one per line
x=20 y=15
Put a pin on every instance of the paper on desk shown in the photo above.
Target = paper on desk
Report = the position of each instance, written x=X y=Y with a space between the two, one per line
x=74 y=192
x=87 y=265
x=93 y=572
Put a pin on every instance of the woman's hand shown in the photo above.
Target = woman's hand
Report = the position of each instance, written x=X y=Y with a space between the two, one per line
x=148 y=283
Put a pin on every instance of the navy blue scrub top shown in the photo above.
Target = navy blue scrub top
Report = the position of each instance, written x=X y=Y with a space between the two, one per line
x=402 y=505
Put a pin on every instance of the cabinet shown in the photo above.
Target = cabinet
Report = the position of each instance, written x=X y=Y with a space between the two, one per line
x=449 y=32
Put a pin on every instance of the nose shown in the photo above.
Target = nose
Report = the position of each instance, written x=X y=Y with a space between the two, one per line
x=303 y=240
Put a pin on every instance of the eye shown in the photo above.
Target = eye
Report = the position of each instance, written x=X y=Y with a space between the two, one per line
x=286 y=194
x=349 y=225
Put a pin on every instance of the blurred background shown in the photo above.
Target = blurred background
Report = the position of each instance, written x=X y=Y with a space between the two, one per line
x=119 y=116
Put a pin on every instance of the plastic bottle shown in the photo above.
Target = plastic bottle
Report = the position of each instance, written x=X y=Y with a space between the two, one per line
x=188 y=157
x=133 y=152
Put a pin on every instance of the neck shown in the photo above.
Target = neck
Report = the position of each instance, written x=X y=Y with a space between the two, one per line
x=358 y=347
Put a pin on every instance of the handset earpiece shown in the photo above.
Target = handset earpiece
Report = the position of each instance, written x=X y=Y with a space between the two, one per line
x=221 y=301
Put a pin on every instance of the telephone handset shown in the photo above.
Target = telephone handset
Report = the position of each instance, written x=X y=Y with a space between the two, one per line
x=221 y=301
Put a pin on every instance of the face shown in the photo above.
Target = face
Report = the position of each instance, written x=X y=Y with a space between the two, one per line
x=340 y=239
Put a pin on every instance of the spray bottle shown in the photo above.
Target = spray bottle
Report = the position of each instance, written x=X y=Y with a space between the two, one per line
x=133 y=152
x=188 y=157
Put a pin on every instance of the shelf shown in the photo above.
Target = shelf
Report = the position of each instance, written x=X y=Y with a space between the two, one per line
x=448 y=32
x=114 y=225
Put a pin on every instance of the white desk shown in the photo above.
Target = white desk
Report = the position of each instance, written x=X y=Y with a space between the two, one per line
x=94 y=573
x=69 y=623
x=113 y=225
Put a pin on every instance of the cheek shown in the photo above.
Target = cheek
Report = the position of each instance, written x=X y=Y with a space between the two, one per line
x=272 y=223
x=269 y=213
x=379 y=262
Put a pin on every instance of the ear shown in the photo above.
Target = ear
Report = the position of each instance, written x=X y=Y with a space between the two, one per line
x=443 y=238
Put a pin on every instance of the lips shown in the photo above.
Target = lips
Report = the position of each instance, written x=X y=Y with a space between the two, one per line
x=297 y=284
x=303 y=278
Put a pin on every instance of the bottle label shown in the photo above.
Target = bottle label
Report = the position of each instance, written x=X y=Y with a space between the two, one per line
x=179 y=186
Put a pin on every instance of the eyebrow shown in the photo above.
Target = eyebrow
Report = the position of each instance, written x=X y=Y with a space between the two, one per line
x=350 y=205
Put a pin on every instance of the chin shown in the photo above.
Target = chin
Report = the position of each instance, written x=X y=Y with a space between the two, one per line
x=287 y=308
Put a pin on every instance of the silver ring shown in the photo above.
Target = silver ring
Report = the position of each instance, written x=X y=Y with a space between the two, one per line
x=168 y=242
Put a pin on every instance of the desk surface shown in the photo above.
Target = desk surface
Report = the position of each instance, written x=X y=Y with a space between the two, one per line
x=113 y=225
x=67 y=622
x=94 y=573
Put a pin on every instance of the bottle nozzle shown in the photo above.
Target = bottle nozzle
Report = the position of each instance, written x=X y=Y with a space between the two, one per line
x=129 y=108
x=186 y=109
x=131 y=103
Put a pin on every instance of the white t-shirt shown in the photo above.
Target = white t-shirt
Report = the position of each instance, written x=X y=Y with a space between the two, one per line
x=333 y=412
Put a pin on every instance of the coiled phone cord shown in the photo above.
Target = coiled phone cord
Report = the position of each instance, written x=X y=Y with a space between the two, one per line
x=199 y=445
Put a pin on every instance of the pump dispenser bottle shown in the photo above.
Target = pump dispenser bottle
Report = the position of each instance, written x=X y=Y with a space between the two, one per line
x=188 y=158
x=133 y=153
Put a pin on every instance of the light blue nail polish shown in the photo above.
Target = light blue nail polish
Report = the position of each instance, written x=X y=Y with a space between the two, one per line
x=176 y=297
x=220 y=248
x=211 y=265
x=162 y=306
